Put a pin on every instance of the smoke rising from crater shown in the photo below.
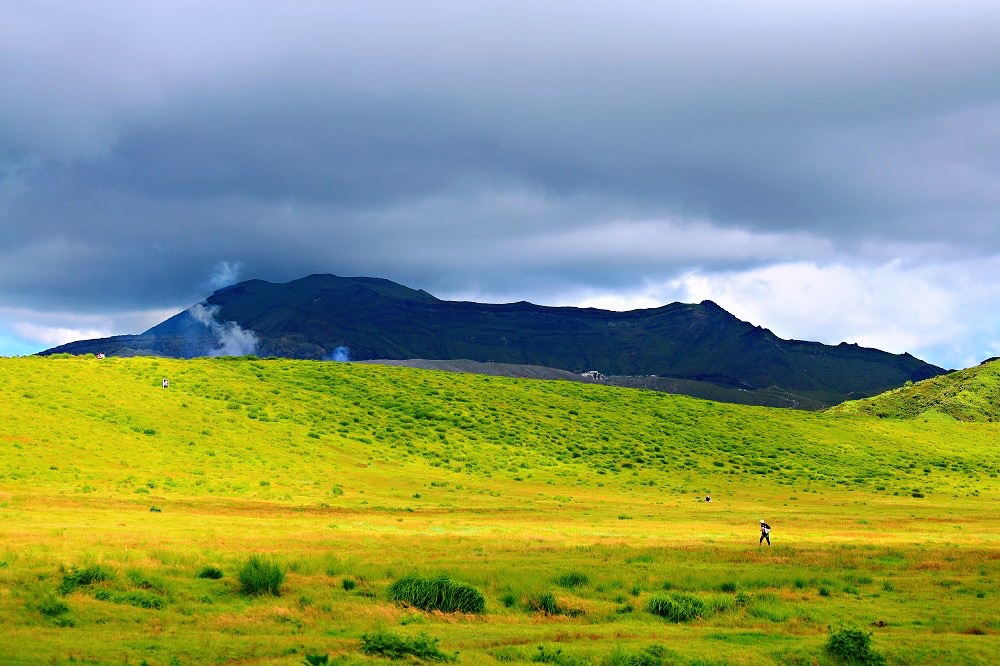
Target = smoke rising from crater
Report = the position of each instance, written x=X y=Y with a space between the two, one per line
x=231 y=338
x=341 y=354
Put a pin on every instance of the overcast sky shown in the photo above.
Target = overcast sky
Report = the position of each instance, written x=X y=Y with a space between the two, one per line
x=829 y=170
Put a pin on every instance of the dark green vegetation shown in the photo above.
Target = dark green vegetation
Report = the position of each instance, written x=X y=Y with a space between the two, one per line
x=394 y=646
x=261 y=575
x=966 y=395
x=676 y=607
x=853 y=646
x=377 y=319
x=440 y=593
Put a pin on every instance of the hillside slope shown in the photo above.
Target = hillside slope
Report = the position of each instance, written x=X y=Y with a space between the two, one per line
x=325 y=316
x=469 y=424
x=972 y=394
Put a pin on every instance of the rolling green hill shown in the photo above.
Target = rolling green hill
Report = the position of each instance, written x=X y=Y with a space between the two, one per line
x=966 y=395
x=322 y=316
x=129 y=512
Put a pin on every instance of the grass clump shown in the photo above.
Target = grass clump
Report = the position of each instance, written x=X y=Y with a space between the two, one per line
x=137 y=599
x=572 y=580
x=676 y=607
x=544 y=603
x=556 y=656
x=75 y=578
x=261 y=575
x=853 y=646
x=52 y=607
x=440 y=593
x=393 y=646
x=653 y=655
x=348 y=584
x=210 y=572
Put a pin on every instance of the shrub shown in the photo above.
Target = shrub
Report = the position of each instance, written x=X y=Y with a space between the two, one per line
x=348 y=584
x=572 y=580
x=728 y=587
x=394 y=646
x=676 y=607
x=214 y=573
x=316 y=659
x=261 y=575
x=440 y=593
x=853 y=646
x=83 y=577
x=509 y=600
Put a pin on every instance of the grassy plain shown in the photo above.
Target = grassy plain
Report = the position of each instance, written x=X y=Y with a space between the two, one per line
x=584 y=500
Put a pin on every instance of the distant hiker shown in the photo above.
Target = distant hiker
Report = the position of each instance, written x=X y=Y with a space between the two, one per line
x=765 y=533
x=100 y=356
x=166 y=383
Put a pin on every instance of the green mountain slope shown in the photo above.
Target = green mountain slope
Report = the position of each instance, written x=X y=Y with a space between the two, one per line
x=365 y=318
x=469 y=424
x=967 y=395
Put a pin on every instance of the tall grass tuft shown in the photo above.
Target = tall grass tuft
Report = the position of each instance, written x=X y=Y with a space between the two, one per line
x=394 y=646
x=572 y=580
x=213 y=573
x=261 y=575
x=440 y=593
x=83 y=577
x=544 y=603
x=676 y=607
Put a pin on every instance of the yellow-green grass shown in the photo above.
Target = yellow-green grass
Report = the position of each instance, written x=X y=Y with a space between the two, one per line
x=368 y=473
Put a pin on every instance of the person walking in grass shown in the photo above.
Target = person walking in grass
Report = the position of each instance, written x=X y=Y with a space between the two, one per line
x=765 y=533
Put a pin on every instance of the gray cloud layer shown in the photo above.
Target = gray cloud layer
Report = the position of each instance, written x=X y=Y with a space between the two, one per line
x=477 y=147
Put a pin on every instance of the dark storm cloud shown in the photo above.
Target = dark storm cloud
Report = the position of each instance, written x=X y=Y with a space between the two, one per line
x=449 y=144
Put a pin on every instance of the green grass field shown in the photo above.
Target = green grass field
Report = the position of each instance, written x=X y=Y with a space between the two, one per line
x=572 y=509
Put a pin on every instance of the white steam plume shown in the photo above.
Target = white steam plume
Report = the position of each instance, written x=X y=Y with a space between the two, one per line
x=341 y=353
x=231 y=338
x=225 y=273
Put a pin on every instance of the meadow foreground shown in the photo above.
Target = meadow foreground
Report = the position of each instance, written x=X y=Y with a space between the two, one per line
x=575 y=510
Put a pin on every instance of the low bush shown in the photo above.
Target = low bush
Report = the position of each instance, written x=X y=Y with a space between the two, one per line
x=440 y=593
x=676 y=607
x=261 y=575
x=213 y=573
x=394 y=646
x=83 y=577
x=853 y=646
x=348 y=584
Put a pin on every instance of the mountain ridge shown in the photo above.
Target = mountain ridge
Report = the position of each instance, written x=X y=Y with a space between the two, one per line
x=325 y=316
